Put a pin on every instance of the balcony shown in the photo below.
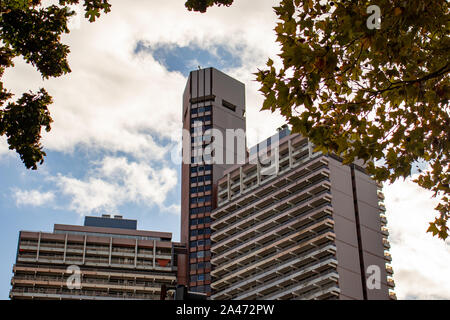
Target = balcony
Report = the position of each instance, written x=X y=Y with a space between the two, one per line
x=263 y=240
x=291 y=278
x=387 y=256
x=266 y=187
x=283 y=267
x=392 y=296
x=385 y=231
x=386 y=244
x=391 y=283
x=389 y=270
x=292 y=193
x=269 y=215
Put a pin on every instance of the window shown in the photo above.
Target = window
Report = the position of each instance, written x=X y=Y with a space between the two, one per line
x=204 y=109
x=193 y=278
x=201 y=277
x=228 y=105
x=194 y=190
x=193 y=170
x=200 y=254
x=208 y=188
x=193 y=233
x=193 y=222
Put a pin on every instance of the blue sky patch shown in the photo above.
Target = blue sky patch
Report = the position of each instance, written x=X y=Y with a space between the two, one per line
x=186 y=58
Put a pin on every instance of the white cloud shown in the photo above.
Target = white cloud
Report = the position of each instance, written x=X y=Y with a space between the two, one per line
x=420 y=261
x=116 y=181
x=3 y=146
x=33 y=198
x=119 y=102
x=114 y=99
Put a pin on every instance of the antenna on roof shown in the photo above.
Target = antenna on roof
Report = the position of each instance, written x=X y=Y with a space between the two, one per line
x=199 y=67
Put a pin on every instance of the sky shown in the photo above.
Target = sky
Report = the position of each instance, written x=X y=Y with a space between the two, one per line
x=117 y=122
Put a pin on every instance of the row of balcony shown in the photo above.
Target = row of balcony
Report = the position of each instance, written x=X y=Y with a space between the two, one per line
x=294 y=192
x=289 y=219
x=265 y=276
x=50 y=293
x=265 y=260
x=94 y=252
x=140 y=265
x=36 y=271
x=302 y=278
x=268 y=186
x=269 y=239
x=310 y=288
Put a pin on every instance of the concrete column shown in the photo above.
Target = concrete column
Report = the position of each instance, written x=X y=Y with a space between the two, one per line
x=241 y=180
x=110 y=250
x=38 y=247
x=65 y=248
x=84 y=249
x=228 y=186
x=258 y=173
x=135 y=253
x=277 y=160
x=310 y=148
x=290 y=153
x=154 y=254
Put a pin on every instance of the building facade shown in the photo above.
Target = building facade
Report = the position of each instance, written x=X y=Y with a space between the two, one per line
x=304 y=227
x=212 y=101
x=107 y=258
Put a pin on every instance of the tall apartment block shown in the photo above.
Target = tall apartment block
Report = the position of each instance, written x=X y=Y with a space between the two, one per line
x=305 y=227
x=108 y=255
x=211 y=100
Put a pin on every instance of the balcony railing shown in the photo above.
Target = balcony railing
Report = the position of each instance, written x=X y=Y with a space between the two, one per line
x=270 y=256
x=308 y=254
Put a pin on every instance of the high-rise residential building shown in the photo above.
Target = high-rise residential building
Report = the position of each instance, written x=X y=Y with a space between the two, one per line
x=107 y=258
x=301 y=226
x=212 y=101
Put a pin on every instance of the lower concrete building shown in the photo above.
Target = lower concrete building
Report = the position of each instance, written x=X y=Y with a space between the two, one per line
x=305 y=227
x=107 y=258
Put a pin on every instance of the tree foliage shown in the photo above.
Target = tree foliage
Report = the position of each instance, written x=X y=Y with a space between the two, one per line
x=380 y=95
x=33 y=32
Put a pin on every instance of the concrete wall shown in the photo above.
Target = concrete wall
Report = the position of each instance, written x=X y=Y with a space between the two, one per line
x=345 y=228
x=370 y=226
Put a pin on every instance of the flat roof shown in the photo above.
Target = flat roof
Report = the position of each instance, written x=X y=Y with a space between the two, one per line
x=117 y=231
